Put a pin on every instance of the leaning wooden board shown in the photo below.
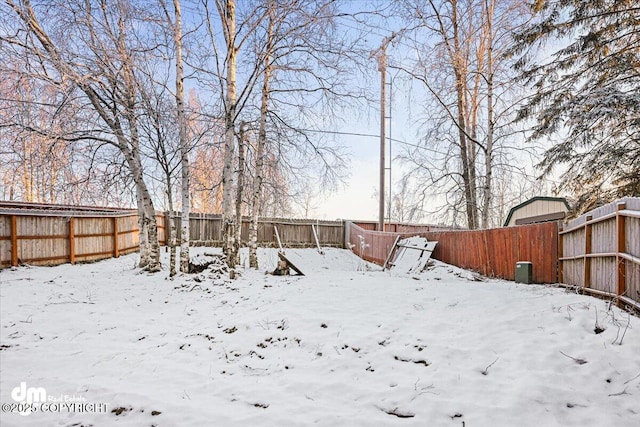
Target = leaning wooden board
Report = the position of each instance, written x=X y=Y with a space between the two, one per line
x=289 y=263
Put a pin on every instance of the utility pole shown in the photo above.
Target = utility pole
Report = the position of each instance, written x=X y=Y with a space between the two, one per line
x=381 y=54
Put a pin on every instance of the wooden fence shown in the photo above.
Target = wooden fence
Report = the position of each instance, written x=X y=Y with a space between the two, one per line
x=493 y=252
x=600 y=251
x=206 y=230
x=397 y=227
x=41 y=235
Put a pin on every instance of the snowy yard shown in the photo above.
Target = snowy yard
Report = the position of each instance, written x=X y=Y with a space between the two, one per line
x=346 y=345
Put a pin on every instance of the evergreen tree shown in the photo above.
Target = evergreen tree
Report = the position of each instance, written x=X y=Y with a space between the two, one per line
x=586 y=94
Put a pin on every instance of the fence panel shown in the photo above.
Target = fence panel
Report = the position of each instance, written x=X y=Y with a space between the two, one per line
x=373 y=246
x=5 y=240
x=632 y=234
x=93 y=238
x=601 y=251
x=52 y=234
x=495 y=252
x=128 y=238
x=41 y=239
x=574 y=263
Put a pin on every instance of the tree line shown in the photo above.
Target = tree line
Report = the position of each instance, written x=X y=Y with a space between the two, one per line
x=101 y=100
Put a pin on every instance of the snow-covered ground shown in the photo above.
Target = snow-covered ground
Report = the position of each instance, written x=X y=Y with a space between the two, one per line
x=345 y=345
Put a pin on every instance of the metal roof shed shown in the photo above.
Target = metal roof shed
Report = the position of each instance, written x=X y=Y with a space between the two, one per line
x=538 y=209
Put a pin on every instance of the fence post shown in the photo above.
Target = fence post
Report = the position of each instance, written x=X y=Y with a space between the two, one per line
x=560 y=254
x=587 y=252
x=347 y=234
x=621 y=238
x=167 y=231
x=14 y=241
x=116 y=249
x=72 y=241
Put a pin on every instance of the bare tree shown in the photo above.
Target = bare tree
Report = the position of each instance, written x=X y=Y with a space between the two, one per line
x=158 y=128
x=458 y=68
x=103 y=68
x=227 y=12
x=175 y=23
x=262 y=136
x=234 y=97
x=405 y=205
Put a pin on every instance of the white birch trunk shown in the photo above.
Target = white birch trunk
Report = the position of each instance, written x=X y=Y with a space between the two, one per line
x=143 y=235
x=262 y=139
x=172 y=242
x=229 y=139
x=240 y=189
x=149 y=246
x=184 y=144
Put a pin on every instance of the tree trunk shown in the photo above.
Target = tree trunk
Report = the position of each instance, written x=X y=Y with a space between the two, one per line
x=149 y=246
x=229 y=138
x=143 y=234
x=460 y=77
x=172 y=241
x=240 y=187
x=131 y=150
x=488 y=159
x=172 y=227
x=112 y=112
x=262 y=140
x=184 y=144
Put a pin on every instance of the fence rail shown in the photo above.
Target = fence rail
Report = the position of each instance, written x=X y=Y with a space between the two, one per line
x=600 y=251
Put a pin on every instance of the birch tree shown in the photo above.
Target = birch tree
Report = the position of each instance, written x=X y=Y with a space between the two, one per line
x=101 y=64
x=304 y=67
x=234 y=98
x=227 y=13
x=262 y=137
x=175 y=24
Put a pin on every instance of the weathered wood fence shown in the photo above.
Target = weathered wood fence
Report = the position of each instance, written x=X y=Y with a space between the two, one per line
x=206 y=230
x=41 y=234
x=600 y=251
x=49 y=235
x=493 y=252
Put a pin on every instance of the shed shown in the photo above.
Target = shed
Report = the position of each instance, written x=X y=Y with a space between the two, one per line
x=538 y=209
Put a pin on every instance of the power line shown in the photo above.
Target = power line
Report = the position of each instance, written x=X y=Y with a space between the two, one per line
x=370 y=135
x=409 y=144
